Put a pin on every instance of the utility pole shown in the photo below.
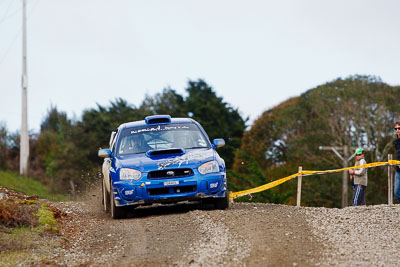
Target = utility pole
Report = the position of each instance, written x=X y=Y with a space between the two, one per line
x=24 y=145
x=345 y=160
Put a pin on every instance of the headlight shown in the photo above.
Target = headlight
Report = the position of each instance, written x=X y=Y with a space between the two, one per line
x=208 y=167
x=129 y=174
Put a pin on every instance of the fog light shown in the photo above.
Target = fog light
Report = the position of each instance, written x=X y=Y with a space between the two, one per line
x=129 y=192
x=213 y=185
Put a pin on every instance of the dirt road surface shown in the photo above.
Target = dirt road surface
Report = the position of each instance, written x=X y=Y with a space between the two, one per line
x=184 y=235
x=247 y=234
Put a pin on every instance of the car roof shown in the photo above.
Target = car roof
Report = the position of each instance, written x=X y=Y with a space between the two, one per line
x=143 y=123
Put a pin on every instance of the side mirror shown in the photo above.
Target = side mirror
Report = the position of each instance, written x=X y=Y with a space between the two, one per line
x=218 y=143
x=105 y=153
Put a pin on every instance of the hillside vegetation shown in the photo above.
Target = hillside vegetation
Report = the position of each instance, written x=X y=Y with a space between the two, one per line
x=358 y=112
x=28 y=186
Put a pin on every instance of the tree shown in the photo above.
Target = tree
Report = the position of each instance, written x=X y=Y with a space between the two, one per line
x=218 y=118
x=93 y=131
x=52 y=145
x=167 y=102
x=3 y=146
x=356 y=111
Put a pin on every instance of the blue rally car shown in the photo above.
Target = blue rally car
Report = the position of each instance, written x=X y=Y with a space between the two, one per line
x=162 y=160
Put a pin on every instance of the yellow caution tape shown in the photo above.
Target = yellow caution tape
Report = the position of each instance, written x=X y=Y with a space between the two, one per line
x=287 y=178
x=374 y=164
x=262 y=187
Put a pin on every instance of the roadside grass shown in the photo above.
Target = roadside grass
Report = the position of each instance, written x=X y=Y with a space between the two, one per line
x=14 y=257
x=13 y=239
x=25 y=245
x=28 y=186
x=29 y=229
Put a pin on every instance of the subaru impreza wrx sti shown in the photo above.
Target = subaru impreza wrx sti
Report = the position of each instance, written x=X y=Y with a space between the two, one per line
x=162 y=160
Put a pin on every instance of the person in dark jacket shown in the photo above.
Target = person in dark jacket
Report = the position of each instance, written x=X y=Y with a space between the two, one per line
x=397 y=148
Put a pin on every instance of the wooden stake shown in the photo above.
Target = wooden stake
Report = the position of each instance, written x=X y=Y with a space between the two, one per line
x=299 y=187
x=390 y=181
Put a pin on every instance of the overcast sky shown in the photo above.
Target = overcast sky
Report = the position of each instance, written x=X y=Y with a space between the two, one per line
x=254 y=54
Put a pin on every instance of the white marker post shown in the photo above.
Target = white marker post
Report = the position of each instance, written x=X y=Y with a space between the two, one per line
x=299 y=177
x=390 y=181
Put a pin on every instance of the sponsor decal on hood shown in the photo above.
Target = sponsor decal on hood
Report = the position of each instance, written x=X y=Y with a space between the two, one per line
x=184 y=159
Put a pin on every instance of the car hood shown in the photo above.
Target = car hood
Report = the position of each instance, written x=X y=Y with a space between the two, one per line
x=189 y=159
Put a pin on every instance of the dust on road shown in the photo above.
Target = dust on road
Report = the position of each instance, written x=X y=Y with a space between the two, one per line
x=247 y=234
x=186 y=235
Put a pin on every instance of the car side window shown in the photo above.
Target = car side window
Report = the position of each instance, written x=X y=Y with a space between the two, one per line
x=113 y=140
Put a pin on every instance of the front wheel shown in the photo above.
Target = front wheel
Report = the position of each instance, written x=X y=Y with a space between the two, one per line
x=116 y=212
x=105 y=198
x=222 y=203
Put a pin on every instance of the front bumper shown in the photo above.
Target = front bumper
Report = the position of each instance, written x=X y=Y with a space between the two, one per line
x=169 y=190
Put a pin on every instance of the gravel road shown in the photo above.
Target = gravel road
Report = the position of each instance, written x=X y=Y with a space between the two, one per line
x=248 y=234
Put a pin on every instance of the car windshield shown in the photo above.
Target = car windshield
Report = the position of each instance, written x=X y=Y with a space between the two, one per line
x=144 y=138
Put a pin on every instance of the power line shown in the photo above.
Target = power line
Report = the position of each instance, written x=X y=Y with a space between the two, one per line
x=9 y=48
x=345 y=158
x=5 y=18
x=7 y=9
x=16 y=36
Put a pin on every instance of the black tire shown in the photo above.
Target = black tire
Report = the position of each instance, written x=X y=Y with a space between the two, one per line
x=105 y=200
x=223 y=202
x=116 y=212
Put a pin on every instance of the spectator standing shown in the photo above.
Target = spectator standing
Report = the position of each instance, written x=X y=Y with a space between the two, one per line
x=360 y=177
x=397 y=148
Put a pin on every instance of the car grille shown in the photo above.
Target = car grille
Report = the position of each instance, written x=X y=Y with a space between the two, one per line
x=172 y=173
x=171 y=190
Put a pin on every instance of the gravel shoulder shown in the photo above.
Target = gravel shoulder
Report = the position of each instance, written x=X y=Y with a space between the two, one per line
x=357 y=236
